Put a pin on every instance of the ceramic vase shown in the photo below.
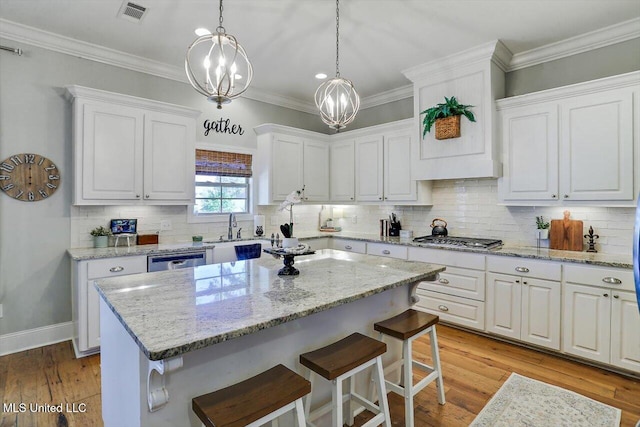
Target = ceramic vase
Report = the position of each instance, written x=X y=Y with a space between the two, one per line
x=100 y=241
x=290 y=242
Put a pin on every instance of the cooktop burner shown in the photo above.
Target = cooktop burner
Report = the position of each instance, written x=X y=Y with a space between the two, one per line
x=465 y=242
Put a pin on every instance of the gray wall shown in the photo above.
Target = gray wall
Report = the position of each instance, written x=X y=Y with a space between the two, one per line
x=35 y=117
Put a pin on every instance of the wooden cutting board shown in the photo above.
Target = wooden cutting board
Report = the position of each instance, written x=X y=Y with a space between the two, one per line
x=566 y=234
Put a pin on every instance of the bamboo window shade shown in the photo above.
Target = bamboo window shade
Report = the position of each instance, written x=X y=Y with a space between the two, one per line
x=220 y=163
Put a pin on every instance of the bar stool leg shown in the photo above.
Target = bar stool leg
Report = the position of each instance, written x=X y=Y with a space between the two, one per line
x=382 y=391
x=307 y=399
x=407 y=371
x=336 y=403
x=300 y=414
x=435 y=355
x=352 y=390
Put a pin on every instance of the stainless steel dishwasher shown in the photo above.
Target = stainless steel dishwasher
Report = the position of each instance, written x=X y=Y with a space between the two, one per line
x=175 y=260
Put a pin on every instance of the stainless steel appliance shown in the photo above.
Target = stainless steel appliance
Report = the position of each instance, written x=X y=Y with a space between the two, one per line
x=459 y=242
x=636 y=253
x=177 y=260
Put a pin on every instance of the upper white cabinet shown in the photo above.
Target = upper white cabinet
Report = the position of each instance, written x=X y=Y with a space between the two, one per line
x=369 y=172
x=289 y=159
x=475 y=77
x=342 y=171
x=130 y=150
x=572 y=144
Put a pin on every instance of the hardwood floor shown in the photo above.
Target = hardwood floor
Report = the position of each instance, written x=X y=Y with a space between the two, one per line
x=474 y=368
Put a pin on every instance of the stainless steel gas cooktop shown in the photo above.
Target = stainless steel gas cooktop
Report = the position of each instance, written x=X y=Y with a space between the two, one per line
x=459 y=242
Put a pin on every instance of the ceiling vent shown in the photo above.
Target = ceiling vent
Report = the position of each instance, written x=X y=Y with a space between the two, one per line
x=131 y=11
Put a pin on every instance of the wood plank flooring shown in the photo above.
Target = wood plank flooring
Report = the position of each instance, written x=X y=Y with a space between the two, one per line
x=474 y=368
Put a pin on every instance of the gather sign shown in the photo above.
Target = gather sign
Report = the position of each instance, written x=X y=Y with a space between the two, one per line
x=222 y=126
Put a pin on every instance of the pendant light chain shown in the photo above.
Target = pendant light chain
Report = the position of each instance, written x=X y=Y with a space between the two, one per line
x=337 y=38
x=220 y=28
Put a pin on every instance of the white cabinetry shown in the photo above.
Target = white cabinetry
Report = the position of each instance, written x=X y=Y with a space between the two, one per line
x=457 y=295
x=601 y=319
x=356 y=246
x=289 y=159
x=130 y=150
x=571 y=144
x=85 y=298
x=522 y=303
x=387 y=250
x=342 y=171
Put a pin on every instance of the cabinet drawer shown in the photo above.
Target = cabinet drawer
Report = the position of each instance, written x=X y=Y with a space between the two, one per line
x=448 y=258
x=460 y=282
x=391 y=251
x=349 y=245
x=461 y=311
x=615 y=278
x=116 y=266
x=524 y=267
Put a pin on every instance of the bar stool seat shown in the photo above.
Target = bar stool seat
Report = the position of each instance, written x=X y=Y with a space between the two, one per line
x=340 y=361
x=407 y=327
x=255 y=401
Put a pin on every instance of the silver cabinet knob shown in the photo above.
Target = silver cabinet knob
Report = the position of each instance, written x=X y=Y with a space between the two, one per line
x=612 y=280
x=517 y=281
x=379 y=198
x=524 y=283
x=386 y=252
x=616 y=296
x=443 y=308
x=522 y=269
x=566 y=196
x=146 y=196
x=137 y=196
x=351 y=198
x=443 y=281
x=553 y=196
x=116 y=269
x=605 y=295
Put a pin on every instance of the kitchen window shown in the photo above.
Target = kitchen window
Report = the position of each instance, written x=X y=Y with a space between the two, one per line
x=222 y=183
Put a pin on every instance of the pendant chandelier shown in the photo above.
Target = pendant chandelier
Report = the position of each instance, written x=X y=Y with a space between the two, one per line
x=336 y=98
x=221 y=64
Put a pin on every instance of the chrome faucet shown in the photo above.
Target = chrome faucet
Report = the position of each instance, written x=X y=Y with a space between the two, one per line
x=232 y=223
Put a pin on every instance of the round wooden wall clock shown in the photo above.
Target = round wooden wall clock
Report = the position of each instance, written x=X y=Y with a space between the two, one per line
x=29 y=177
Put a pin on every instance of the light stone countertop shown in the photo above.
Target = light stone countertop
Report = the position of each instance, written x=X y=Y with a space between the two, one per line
x=173 y=312
x=598 y=259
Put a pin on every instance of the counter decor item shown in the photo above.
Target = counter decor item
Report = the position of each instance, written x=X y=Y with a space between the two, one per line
x=543 y=228
x=446 y=118
x=591 y=240
x=258 y=223
x=566 y=234
x=196 y=239
x=100 y=237
x=288 y=255
x=148 y=239
x=438 y=229
x=287 y=229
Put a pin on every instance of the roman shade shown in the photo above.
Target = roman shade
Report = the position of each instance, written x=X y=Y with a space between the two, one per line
x=221 y=163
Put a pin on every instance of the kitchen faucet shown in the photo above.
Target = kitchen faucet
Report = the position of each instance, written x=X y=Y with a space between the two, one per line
x=232 y=223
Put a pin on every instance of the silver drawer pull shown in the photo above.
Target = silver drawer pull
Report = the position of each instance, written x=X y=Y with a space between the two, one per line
x=386 y=252
x=443 y=308
x=443 y=281
x=612 y=280
x=117 y=269
x=522 y=269
x=348 y=247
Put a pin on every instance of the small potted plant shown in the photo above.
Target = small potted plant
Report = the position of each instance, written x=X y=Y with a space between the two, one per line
x=543 y=228
x=100 y=237
x=287 y=229
x=446 y=118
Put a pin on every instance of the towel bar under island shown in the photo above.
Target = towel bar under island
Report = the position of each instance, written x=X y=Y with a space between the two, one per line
x=167 y=337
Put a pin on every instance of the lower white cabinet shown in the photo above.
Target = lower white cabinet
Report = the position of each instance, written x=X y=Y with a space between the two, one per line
x=601 y=319
x=85 y=298
x=387 y=250
x=356 y=246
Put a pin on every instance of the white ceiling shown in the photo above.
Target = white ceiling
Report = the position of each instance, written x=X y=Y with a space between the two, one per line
x=289 y=41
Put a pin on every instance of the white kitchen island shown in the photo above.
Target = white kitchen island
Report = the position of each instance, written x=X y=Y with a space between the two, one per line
x=167 y=337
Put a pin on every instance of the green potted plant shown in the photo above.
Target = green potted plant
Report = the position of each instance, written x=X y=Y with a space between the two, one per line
x=446 y=118
x=543 y=228
x=100 y=237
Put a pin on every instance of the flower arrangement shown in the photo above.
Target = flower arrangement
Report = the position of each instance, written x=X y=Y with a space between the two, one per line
x=101 y=231
x=541 y=223
x=293 y=198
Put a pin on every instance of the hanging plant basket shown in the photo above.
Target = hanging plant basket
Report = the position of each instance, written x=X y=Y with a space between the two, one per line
x=449 y=127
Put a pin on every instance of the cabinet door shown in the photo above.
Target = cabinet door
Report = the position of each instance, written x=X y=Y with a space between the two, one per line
x=541 y=312
x=286 y=168
x=112 y=150
x=597 y=146
x=587 y=317
x=169 y=157
x=342 y=171
x=503 y=305
x=369 y=178
x=530 y=143
x=398 y=185
x=625 y=331
x=93 y=316
x=316 y=171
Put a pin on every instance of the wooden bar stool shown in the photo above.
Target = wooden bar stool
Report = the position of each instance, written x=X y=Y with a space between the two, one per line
x=255 y=401
x=342 y=360
x=407 y=327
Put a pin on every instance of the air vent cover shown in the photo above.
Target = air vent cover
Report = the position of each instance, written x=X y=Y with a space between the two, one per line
x=131 y=11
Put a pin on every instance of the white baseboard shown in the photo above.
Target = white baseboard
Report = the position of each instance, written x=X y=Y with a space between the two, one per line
x=33 y=338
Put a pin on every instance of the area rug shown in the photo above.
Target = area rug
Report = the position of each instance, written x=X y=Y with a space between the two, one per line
x=522 y=401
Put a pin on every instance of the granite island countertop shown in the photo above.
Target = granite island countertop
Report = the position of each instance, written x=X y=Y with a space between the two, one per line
x=599 y=259
x=173 y=312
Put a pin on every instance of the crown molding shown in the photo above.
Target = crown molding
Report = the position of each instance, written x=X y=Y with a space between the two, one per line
x=258 y=94
x=607 y=36
x=387 y=96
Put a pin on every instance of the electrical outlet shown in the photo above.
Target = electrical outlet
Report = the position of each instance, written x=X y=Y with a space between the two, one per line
x=165 y=225
x=354 y=219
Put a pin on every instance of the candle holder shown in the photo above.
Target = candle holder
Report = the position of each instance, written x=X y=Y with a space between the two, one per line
x=591 y=242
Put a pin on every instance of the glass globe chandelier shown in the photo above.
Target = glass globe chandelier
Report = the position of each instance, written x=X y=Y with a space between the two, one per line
x=220 y=64
x=337 y=98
